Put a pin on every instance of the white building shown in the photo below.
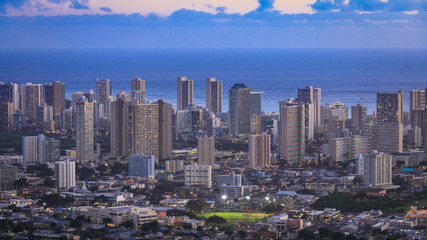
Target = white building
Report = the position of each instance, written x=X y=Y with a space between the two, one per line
x=174 y=165
x=198 y=175
x=34 y=149
x=65 y=174
x=378 y=171
x=141 y=166
x=230 y=180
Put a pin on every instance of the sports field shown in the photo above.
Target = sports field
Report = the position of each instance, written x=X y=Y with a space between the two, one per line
x=240 y=217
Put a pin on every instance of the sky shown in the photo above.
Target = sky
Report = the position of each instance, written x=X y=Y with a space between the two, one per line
x=213 y=23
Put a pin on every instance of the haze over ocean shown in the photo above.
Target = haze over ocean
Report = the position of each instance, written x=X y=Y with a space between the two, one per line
x=351 y=75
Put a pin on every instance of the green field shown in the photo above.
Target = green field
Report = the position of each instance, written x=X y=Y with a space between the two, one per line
x=240 y=217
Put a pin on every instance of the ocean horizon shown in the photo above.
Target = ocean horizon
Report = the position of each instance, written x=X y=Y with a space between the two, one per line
x=351 y=76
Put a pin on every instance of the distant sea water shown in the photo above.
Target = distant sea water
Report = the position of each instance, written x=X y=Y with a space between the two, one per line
x=351 y=76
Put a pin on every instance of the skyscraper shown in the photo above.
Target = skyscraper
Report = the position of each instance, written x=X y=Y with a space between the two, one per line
x=53 y=150
x=387 y=137
x=54 y=95
x=292 y=134
x=239 y=109
x=214 y=95
x=141 y=166
x=34 y=149
x=8 y=176
x=65 y=173
x=6 y=115
x=32 y=97
x=313 y=96
x=138 y=90
x=6 y=93
x=259 y=150
x=119 y=128
x=103 y=94
x=358 y=116
x=84 y=131
x=184 y=93
x=378 y=169
x=390 y=107
x=165 y=129
x=417 y=104
x=206 y=151
x=256 y=103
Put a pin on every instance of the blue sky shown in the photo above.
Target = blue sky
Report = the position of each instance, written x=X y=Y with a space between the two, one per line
x=213 y=23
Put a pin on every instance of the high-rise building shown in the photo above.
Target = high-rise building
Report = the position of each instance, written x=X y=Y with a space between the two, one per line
x=260 y=150
x=138 y=90
x=213 y=95
x=189 y=120
x=66 y=119
x=174 y=166
x=348 y=148
x=104 y=94
x=239 y=109
x=53 y=150
x=313 y=96
x=387 y=137
x=390 y=107
x=230 y=180
x=292 y=134
x=32 y=97
x=84 y=131
x=358 y=116
x=198 y=175
x=6 y=93
x=256 y=103
x=19 y=120
x=8 y=176
x=119 y=128
x=6 y=115
x=141 y=166
x=417 y=104
x=54 y=95
x=65 y=174
x=150 y=129
x=206 y=151
x=44 y=113
x=378 y=169
x=34 y=149
x=165 y=129
x=184 y=93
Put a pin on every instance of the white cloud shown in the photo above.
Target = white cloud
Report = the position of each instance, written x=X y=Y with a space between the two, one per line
x=144 y=7
x=414 y=12
x=294 y=6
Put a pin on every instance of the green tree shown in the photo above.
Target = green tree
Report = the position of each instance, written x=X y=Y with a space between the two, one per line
x=306 y=234
x=21 y=183
x=196 y=205
x=179 y=212
x=151 y=226
x=14 y=208
x=48 y=182
x=155 y=198
x=128 y=224
x=350 y=237
x=325 y=232
x=215 y=220
x=76 y=223
x=338 y=236
x=242 y=234
x=272 y=208
x=107 y=220
x=187 y=226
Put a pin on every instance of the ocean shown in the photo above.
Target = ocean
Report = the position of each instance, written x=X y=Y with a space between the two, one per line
x=351 y=76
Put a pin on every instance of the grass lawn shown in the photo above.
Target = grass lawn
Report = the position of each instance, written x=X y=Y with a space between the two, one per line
x=240 y=217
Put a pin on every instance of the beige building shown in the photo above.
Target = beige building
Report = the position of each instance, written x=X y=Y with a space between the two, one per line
x=213 y=95
x=174 y=166
x=292 y=134
x=84 y=131
x=184 y=93
x=31 y=97
x=54 y=95
x=387 y=137
x=206 y=151
x=348 y=148
x=358 y=116
x=313 y=96
x=200 y=175
x=260 y=150
x=378 y=169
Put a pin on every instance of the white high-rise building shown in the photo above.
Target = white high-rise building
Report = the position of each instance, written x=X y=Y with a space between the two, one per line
x=34 y=149
x=84 y=131
x=141 y=166
x=378 y=169
x=206 y=150
x=65 y=174
x=200 y=175
x=230 y=180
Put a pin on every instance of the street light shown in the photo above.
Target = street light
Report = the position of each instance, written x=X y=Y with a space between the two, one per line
x=224 y=197
x=267 y=198
x=248 y=198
